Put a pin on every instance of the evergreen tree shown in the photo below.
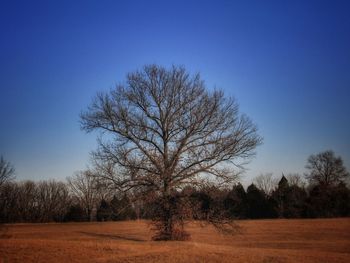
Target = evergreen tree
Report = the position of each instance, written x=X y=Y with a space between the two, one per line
x=235 y=202
x=76 y=213
x=104 y=212
x=258 y=205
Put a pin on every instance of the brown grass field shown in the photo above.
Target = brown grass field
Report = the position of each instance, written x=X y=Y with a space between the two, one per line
x=316 y=240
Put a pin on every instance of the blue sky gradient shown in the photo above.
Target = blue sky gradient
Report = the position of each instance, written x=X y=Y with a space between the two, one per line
x=286 y=62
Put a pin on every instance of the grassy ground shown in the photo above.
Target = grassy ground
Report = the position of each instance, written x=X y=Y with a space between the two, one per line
x=319 y=240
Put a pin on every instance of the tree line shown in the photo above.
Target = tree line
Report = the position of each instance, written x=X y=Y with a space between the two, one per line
x=84 y=198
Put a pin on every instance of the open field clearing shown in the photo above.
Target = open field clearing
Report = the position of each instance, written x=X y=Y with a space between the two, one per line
x=318 y=240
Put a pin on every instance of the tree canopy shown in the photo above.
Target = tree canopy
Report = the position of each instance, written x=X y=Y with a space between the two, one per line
x=165 y=131
x=326 y=169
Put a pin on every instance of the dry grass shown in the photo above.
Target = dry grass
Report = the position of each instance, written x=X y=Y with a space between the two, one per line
x=319 y=240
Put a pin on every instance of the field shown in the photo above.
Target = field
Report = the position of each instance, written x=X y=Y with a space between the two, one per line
x=318 y=240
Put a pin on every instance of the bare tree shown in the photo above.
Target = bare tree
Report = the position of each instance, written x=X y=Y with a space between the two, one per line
x=26 y=206
x=83 y=187
x=266 y=183
x=7 y=171
x=166 y=131
x=295 y=179
x=52 y=200
x=8 y=202
x=326 y=169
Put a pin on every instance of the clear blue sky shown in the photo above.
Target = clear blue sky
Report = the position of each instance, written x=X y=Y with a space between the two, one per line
x=287 y=64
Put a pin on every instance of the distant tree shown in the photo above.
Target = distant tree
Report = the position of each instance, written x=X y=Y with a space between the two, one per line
x=328 y=201
x=295 y=202
x=52 y=201
x=103 y=188
x=342 y=200
x=7 y=171
x=83 y=187
x=283 y=183
x=27 y=205
x=209 y=205
x=266 y=183
x=326 y=169
x=9 y=194
x=236 y=202
x=319 y=202
x=75 y=213
x=258 y=204
x=295 y=179
x=104 y=212
x=28 y=201
x=289 y=199
x=19 y=202
x=280 y=196
x=167 y=131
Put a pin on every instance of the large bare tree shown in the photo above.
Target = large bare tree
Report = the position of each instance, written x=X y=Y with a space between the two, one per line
x=164 y=130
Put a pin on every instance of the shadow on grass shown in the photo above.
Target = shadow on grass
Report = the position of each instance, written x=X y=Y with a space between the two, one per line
x=110 y=236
